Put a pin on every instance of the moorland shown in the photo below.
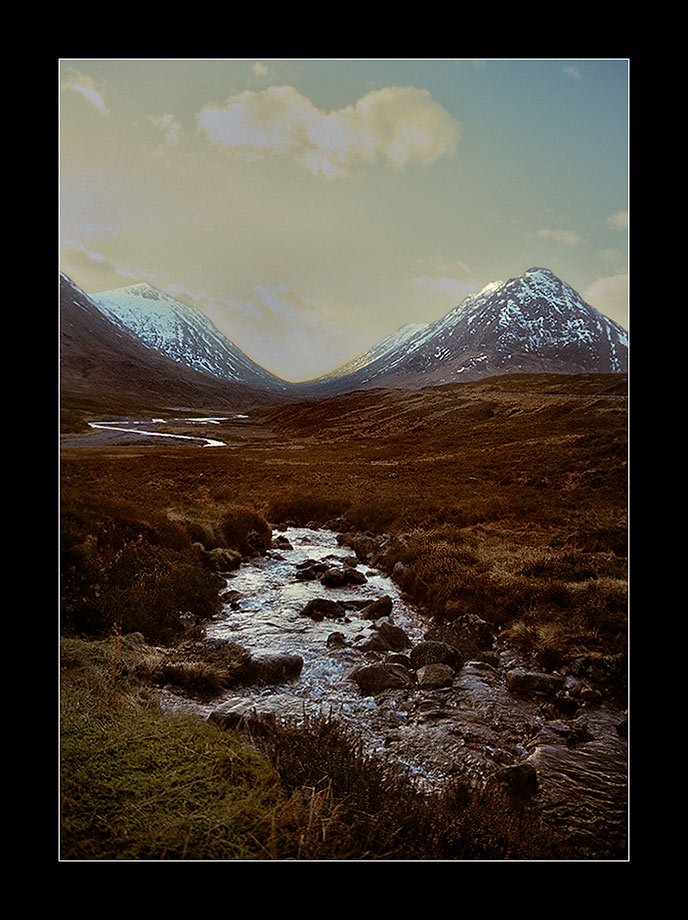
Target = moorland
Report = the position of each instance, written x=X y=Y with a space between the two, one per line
x=509 y=496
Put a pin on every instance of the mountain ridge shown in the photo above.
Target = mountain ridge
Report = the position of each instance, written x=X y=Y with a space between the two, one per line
x=103 y=367
x=182 y=333
x=532 y=323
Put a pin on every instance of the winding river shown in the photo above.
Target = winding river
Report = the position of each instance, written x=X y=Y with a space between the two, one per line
x=136 y=430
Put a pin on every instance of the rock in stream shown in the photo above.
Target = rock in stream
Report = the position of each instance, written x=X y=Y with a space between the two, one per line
x=349 y=646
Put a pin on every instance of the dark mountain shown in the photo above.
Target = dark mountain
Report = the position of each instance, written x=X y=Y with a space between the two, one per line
x=105 y=368
x=531 y=324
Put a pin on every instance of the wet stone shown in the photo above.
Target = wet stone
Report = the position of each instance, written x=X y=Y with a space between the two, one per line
x=479 y=716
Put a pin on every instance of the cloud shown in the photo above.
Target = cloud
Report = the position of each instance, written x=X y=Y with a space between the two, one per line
x=572 y=71
x=394 y=125
x=610 y=296
x=567 y=237
x=86 y=88
x=619 y=220
x=92 y=270
x=171 y=128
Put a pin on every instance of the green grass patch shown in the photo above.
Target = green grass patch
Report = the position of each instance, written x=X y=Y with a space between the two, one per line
x=139 y=785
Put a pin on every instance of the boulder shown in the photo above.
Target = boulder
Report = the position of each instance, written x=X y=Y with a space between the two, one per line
x=379 y=608
x=365 y=547
x=339 y=578
x=533 y=683
x=433 y=652
x=386 y=638
x=334 y=578
x=374 y=643
x=310 y=569
x=336 y=640
x=394 y=636
x=374 y=678
x=432 y=676
x=230 y=596
x=321 y=608
x=354 y=577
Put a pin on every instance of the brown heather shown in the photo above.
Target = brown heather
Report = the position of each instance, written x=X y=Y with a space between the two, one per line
x=511 y=497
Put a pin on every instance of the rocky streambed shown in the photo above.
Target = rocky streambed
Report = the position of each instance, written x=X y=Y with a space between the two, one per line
x=313 y=627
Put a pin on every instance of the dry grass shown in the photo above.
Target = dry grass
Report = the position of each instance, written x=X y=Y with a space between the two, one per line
x=140 y=785
x=513 y=504
x=509 y=506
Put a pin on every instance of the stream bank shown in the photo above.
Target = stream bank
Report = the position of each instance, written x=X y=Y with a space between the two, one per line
x=327 y=632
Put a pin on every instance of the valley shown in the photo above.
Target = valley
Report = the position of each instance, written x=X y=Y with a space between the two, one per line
x=502 y=507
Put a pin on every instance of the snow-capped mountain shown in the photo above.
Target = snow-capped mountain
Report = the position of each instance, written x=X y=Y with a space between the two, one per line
x=183 y=334
x=388 y=346
x=529 y=324
x=104 y=365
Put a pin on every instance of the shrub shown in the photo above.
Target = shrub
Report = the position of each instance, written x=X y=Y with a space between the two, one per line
x=147 y=587
x=246 y=531
x=123 y=573
x=302 y=505
x=379 y=813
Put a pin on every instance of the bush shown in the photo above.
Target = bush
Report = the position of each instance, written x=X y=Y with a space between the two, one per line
x=246 y=531
x=378 y=813
x=148 y=587
x=123 y=573
x=305 y=505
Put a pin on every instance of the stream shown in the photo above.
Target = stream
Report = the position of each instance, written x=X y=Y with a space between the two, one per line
x=136 y=429
x=267 y=617
x=475 y=727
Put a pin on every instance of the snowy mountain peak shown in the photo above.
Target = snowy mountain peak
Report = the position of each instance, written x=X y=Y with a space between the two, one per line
x=144 y=289
x=182 y=333
x=531 y=323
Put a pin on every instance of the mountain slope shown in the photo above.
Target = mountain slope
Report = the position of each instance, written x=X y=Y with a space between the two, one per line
x=531 y=324
x=183 y=334
x=104 y=368
x=138 y=342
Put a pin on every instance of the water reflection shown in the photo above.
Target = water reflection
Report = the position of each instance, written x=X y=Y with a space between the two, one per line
x=266 y=615
x=134 y=427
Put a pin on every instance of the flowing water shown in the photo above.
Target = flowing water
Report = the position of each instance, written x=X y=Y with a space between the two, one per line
x=475 y=727
x=266 y=617
x=135 y=429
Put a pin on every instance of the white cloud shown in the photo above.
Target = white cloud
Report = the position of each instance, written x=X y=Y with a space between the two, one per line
x=572 y=71
x=86 y=88
x=395 y=125
x=169 y=126
x=567 y=237
x=610 y=296
x=619 y=220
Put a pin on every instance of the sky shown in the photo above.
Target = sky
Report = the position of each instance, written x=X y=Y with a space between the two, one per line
x=310 y=207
